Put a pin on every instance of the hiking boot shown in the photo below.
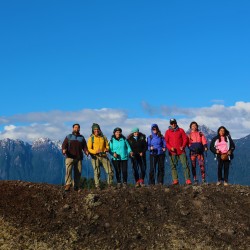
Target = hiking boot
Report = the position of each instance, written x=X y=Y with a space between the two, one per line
x=78 y=190
x=175 y=182
x=226 y=183
x=111 y=187
x=218 y=183
x=204 y=182
x=196 y=182
x=188 y=182
x=124 y=185
x=67 y=188
x=137 y=184
x=140 y=181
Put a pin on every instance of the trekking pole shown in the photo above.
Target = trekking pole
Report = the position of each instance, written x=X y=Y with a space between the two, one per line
x=133 y=169
x=168 y=164
x=138 y=168
x=165 y=167
x=206 y=167
x=108 y=166
x=95 y=157
x=62 y=180
x=144 y=166
x=88 y=173
x=154 y=166
x=216 y=159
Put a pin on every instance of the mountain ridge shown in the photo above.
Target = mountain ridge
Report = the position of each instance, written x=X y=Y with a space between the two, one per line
x=42 y=161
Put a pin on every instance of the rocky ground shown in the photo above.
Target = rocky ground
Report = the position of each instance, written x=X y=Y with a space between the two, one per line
x=41 y=216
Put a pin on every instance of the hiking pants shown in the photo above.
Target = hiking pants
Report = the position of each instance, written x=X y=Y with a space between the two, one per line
x=98 y=161
x=157 y=160
x=223 y=164
x=194 y=157
x=121 y=167
x=174 y=162
x=138 y=162
x=76 y=165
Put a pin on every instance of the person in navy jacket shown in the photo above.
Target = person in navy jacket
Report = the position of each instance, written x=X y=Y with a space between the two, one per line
x=138 y=144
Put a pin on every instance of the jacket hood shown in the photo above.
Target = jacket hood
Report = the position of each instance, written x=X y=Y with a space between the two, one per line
x=154 y=126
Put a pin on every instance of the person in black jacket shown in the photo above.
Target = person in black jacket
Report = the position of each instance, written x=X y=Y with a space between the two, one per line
x=73 y=147
x=138 y=144
x=223 y=146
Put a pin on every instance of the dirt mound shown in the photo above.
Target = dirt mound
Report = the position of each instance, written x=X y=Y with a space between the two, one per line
x=41 y=216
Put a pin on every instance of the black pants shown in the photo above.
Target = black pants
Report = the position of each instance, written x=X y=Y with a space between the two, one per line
x=121 y=167
x=223 y=164
x=157 y=160
x=139 y=162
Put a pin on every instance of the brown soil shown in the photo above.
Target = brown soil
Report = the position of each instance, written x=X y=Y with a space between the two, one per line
x=41 y=216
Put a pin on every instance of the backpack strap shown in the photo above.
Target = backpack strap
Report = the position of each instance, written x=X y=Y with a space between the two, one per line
x=92 y=140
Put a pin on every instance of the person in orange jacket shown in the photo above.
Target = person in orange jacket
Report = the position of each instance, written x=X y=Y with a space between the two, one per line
x=176 y=141
x=197 y=145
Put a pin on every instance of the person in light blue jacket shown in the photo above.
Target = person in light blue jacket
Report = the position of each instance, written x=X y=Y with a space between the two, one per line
x=119 y=150
x=157 y=147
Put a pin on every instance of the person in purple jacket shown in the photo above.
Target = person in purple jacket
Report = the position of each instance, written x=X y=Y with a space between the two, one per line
x=157 y=147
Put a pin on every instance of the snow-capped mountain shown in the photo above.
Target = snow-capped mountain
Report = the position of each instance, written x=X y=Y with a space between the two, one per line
x=209 y=134
x=42 y=161
x=47 y=142
x=37 y=162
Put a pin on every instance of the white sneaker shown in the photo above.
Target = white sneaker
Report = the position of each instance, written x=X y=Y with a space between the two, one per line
x=218 y=183
x=225 y=183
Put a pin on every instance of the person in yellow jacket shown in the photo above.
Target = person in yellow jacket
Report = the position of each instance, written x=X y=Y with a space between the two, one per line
x=98 y=148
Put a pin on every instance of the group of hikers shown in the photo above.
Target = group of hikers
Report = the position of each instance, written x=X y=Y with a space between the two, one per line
x=135 y=146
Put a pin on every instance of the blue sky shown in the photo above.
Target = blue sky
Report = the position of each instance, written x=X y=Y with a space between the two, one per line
x=123 y=63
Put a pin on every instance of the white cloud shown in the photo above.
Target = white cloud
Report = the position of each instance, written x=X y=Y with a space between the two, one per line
x=57 y=124
x=236 y=118
x=9 y=128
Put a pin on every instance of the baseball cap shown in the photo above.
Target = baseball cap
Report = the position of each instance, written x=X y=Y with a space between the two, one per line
x=172 y=121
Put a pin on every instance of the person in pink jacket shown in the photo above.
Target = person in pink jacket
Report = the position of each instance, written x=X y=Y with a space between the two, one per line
x=197 y=145
x=176 y=141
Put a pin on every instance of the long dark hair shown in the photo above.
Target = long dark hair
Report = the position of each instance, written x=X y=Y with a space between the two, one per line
x=227 y=133
x=158 y=133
